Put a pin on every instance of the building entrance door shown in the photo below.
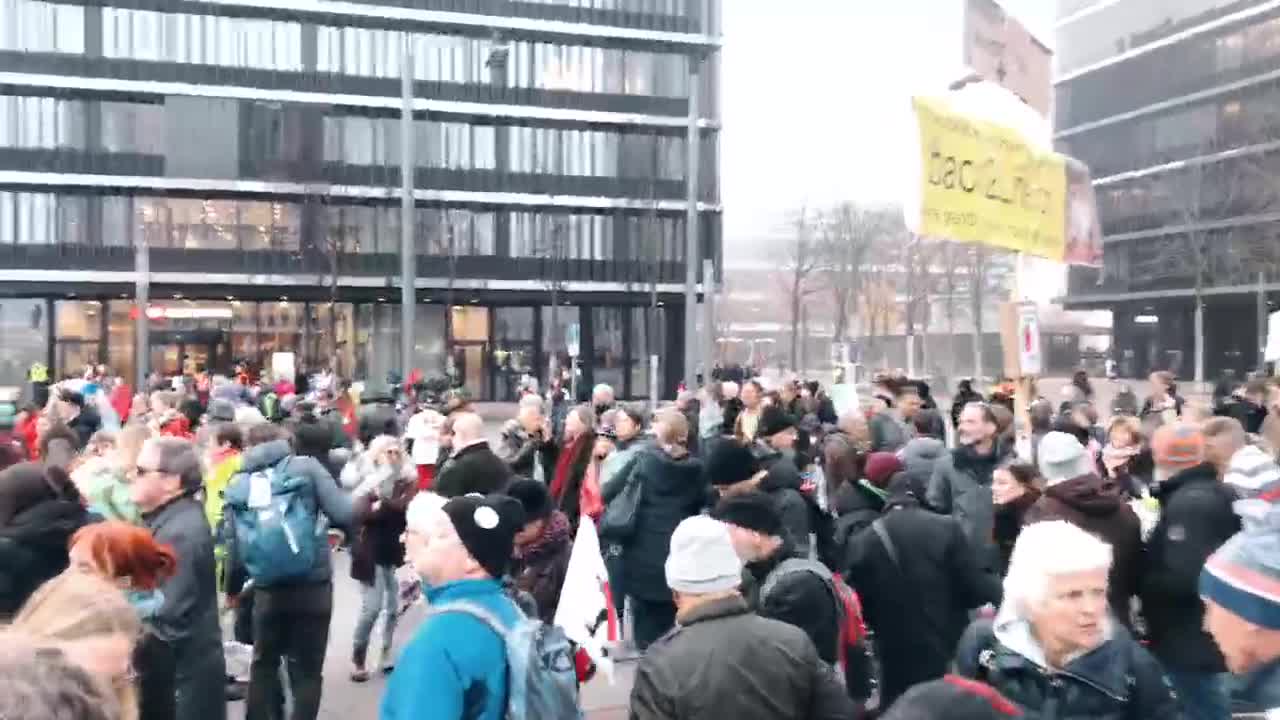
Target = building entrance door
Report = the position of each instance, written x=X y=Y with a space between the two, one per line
x=187 y=352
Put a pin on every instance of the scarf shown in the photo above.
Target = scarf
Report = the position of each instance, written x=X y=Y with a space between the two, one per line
x=1115 y=457
x=145 y=602
x=555 y=533
x=564 y=467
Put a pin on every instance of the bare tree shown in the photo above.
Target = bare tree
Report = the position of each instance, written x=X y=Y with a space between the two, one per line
x=850 y=241
x=802 y=261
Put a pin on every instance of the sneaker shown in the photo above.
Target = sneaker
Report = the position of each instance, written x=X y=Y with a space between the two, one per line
x=359 y=674
x=388 y=662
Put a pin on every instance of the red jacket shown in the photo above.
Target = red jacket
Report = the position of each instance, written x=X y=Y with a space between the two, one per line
x=178 y=426
x=122 y=401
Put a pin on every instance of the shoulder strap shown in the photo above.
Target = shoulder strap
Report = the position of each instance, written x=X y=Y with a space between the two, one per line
x=475 y=611
x=883 y=533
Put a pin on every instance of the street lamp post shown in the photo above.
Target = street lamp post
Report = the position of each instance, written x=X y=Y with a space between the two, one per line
x=408 y=254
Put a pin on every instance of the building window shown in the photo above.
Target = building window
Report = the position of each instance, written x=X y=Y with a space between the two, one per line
x=648 y=338
x=37 y=26
x=24 y=334
x=78 y=335
x=42 y=219
x=41 y=122
x=201 y=39
x=555 y=331
x=608 y=361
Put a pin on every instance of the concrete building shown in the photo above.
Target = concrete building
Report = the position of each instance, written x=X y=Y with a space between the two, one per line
x=1173 y=107
x=252 y=149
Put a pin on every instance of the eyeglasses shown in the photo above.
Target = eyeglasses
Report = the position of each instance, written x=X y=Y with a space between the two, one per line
x=139 y=471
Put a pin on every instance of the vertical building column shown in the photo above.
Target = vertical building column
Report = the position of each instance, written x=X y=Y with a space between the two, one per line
x=691 y=264
x=498 y=59
x=93 y=127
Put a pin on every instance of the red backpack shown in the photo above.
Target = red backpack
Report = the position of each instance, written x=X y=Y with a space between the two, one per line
x=848 y=608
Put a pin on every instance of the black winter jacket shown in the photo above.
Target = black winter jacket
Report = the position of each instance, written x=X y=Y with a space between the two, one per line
x=1118 y=680
x=801 y=599
x=961 y=487
x=857 y=506
x=918 y=605
x=723 y=661
x=782 y=482
x=671 y=489
x=1195 y=519
x=474 y=469
x=33 y=549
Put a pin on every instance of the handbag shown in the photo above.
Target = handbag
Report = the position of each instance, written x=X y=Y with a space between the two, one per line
x=619 y=519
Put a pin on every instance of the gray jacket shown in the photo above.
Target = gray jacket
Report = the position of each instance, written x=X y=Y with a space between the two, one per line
x=334 y=504
x=724 y=661
x=188 y=620
x=961 y=487
x=919 y=456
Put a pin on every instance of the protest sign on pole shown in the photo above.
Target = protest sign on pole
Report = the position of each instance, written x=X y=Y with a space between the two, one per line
x=586 y=610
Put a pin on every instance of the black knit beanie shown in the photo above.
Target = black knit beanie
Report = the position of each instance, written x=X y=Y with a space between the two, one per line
x=487 y=526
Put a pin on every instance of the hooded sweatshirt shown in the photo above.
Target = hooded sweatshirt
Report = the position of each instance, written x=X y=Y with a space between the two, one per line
x=1098 y=506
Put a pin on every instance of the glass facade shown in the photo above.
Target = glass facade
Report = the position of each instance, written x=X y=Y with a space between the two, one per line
x=1198 y=63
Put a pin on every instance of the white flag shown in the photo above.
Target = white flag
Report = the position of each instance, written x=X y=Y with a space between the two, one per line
x=586 y=610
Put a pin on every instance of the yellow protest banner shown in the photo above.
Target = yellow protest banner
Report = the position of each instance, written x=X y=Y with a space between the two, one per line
x=982 y=183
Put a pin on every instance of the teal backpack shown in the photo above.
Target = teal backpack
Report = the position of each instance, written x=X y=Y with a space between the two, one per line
x=275 y=523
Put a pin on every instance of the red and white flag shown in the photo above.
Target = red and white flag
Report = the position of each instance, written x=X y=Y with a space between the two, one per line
x=586 y=610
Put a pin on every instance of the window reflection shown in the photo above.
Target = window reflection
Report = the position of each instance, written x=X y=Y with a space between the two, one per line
x=37 y=26
x=41 y=122
x=24 y=330
x=201 y=39
x=42 y=218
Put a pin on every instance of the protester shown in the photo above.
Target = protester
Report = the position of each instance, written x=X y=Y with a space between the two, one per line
x=386 y=476
x=711 y=423
x=1248 y=407
x=749 y=416
x=1195 y=519
x=891 y=427
x=1052 y=647
x=88 y=620
x=952 y=698
x=540 y=558
x=164 y=485
x=40 y=509
x=473 y=466
x=455 y=666
x=780 y=584
x=1013 y=492
x=722 y=660
x=672 y=488
x=39 y=682
x=570 y=460
x=316 y=436
x=1163 y=406
x=129 y=557
x=103 y=478
x=523 y=438
x=602 y=399
x=166 y=418
x=861 y=502
x=1223 y=438
x=1242 y=609
x=83 y=419
x=1126 y=459
x=58 y=444
x=965 y=394
x=961 y=479
x=1075 y=493
x=292 y=604
x=1252 y=473
x=916 y=575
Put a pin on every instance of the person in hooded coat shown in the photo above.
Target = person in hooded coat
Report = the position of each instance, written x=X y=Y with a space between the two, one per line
x=965 y=394
x=672 y=489
x=1077 y=494
x=916 y=590
x=860 y=502
x=40 y=509
x=774 y=450
x=919 y=456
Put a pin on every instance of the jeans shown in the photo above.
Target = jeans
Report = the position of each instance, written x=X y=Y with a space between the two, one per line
x=290 y=623
x=1203 y=696
x=381 y=596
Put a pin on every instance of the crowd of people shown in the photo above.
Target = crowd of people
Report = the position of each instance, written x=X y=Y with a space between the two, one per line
x=777 y=556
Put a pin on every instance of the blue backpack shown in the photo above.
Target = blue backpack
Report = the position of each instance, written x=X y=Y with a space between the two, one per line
x=542 y=681
x=275 y=524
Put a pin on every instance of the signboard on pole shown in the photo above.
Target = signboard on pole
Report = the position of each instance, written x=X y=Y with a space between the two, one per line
x=571 y=339
x=1020 y=340
x=999 y=49
x=984 y=183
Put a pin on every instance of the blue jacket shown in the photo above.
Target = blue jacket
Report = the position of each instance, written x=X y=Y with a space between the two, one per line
x=453 y=660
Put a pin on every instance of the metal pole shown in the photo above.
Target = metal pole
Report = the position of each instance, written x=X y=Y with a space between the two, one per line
x=1199 y=342
x=142 y=298
x=692 y=143
x=709 y=316
x=1261 y=300
x=408 y=253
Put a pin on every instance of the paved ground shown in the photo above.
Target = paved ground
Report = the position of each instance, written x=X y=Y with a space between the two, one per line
x=344 y=700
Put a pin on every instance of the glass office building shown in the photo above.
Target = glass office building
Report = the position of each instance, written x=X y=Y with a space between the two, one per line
x=1174 y=107
x=247 y=156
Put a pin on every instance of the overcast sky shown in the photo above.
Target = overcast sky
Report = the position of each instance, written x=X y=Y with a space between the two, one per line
x=815 y=98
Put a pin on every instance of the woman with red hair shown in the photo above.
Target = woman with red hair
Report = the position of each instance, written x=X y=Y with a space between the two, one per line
x=130 y=557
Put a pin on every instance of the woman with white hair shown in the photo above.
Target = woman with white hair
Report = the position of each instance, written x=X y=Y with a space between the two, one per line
x=1053 y=647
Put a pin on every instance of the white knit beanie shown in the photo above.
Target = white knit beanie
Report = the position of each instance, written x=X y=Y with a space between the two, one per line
x=702 y=559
